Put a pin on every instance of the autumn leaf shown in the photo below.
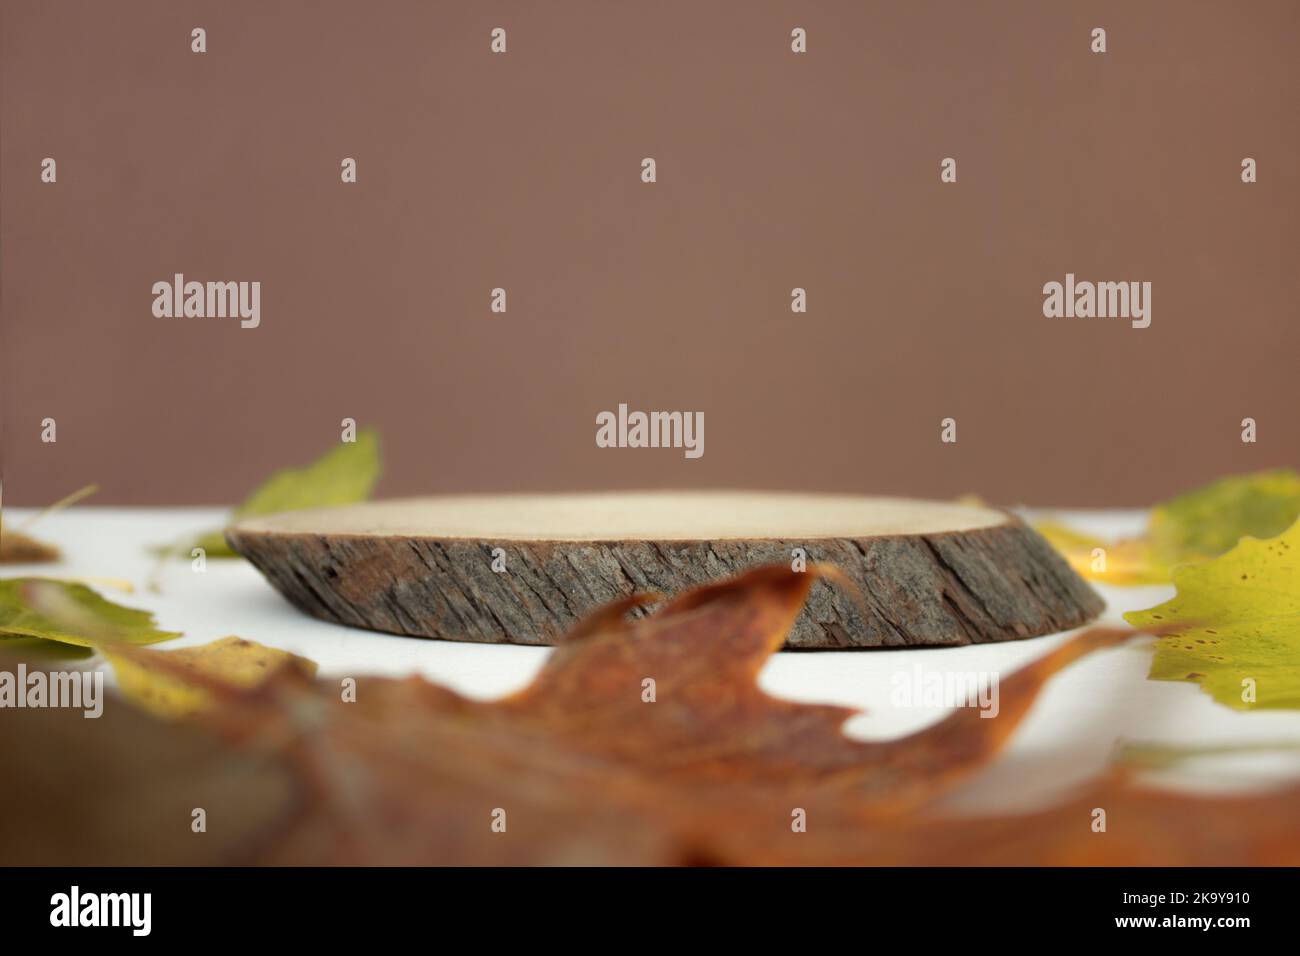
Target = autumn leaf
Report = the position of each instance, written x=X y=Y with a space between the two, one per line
x=163 y=682
x=1195 y=526
x=19 y=548
x=1235 y=625
x=39 y=649
x=1209 y=521
x=587 y=765
x=70 y=613
x=344 y=475
x=583 y=767
x=1144 y=826
x=102 y=793
x=1162 y=756
x=1125 y=562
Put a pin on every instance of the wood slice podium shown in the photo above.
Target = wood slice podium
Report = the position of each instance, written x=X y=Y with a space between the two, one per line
x=523 y=569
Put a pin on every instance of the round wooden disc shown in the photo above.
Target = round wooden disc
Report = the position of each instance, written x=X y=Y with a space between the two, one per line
x=525 y=568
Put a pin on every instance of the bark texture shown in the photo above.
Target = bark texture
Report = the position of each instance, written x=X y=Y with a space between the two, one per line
x=997 y=583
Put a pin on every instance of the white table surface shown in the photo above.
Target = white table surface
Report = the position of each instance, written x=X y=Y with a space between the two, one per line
x=1068 y=736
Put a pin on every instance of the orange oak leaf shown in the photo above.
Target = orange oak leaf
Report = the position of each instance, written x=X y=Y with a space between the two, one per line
x=589 y=764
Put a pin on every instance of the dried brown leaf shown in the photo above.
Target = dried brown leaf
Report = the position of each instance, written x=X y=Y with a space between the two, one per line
x=581 y=769
x=19 y=548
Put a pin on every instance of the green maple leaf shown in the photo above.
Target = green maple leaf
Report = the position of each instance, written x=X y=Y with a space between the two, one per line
x=69 y=613
x=343 y=476
x=1196 y=526
x=1207 y=522
x=1236 y=625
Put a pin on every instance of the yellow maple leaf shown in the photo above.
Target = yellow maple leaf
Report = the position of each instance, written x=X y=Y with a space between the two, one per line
x=1236 y=625
x=161 y=681
x=1128 y=561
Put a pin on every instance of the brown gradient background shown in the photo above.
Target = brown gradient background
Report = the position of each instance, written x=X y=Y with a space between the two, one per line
x=775 y=171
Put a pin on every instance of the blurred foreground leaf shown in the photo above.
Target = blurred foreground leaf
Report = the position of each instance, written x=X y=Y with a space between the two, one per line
x=1156 y=756
x=163 y=682
x=588 y=764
